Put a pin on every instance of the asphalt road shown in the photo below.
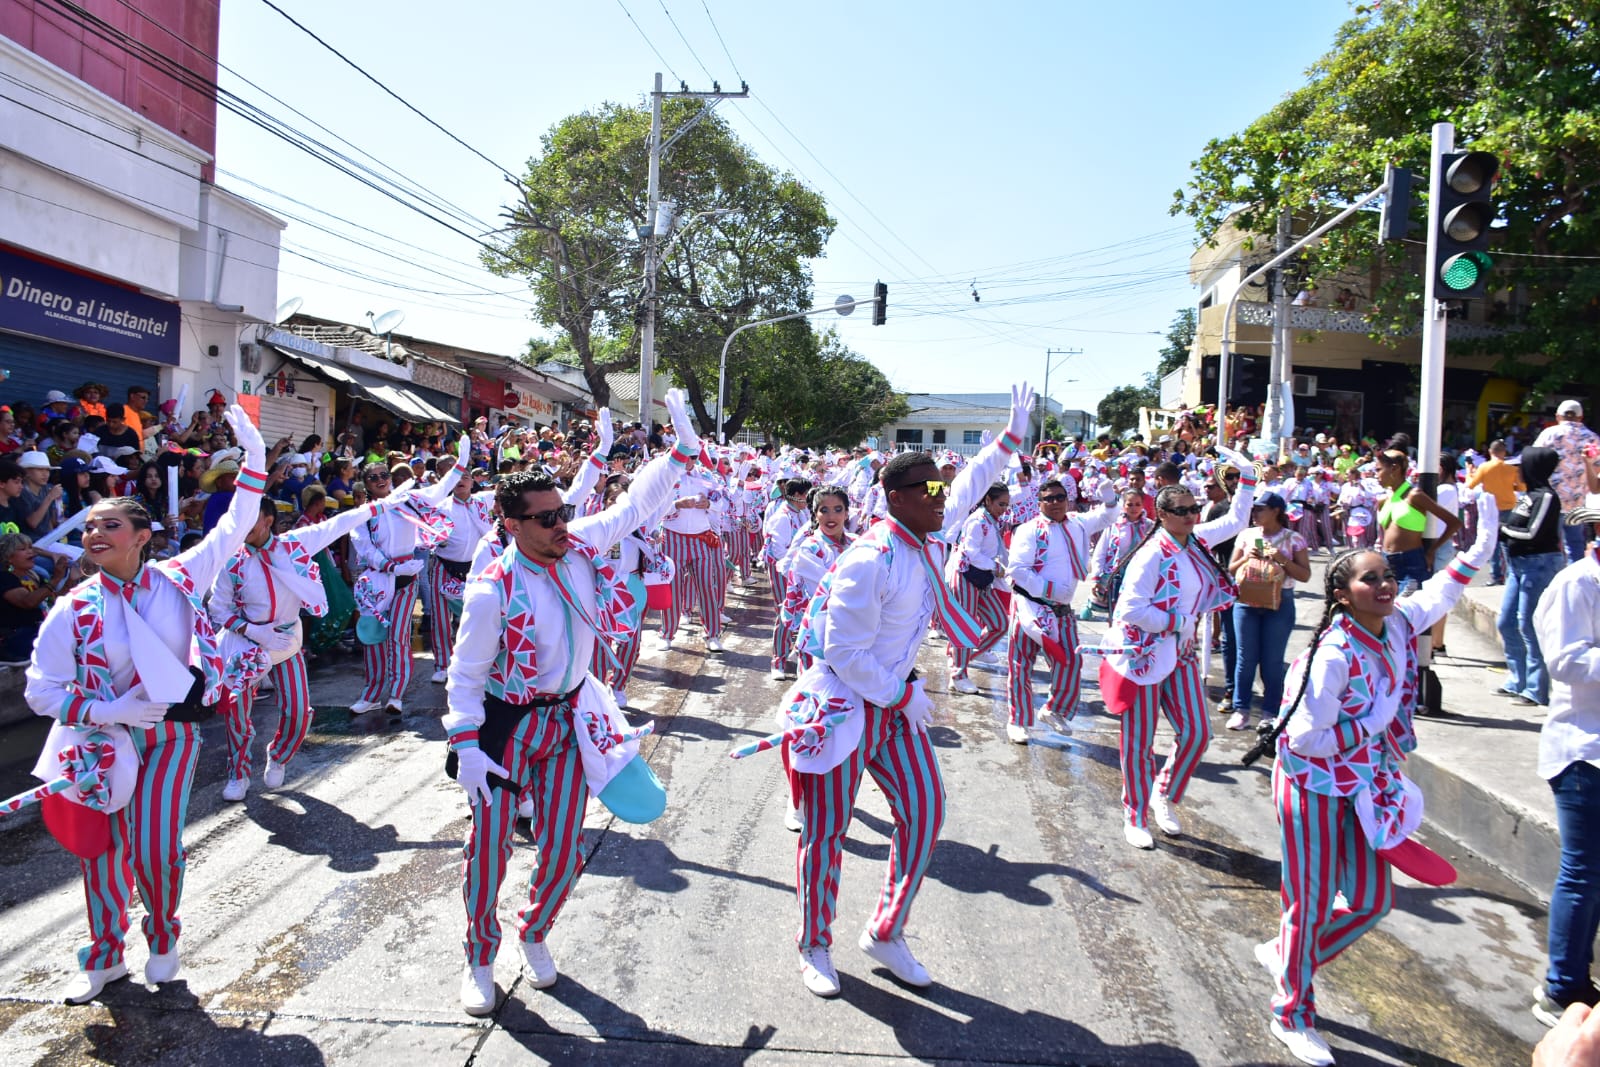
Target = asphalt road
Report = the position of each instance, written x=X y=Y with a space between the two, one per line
x=323 y=921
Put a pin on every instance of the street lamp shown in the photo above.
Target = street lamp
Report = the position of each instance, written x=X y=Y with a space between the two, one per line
x=1044 y=396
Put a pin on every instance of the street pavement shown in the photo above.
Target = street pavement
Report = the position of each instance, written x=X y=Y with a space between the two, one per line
x=323 y=921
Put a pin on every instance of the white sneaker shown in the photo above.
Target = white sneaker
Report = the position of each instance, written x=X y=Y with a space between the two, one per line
x=1306 y=1045
x=726 y=621
x=236 y=789
x=714 y=644
x=538 y=965
x=440 y=677
x=477 y=990
x=525 y=808
x=361 y=707
x=663 y=642
x=776 y=674
x=1269 y=957
x=988 y=659
x=1018 y=735
x=816 y=971
x=273 y=778
x=1137 y=836
x=86 y=985
x=161 y=967
x=894 y=955
x=791 y=820
x=1238 y=721
x=962 y=684
x=620 y=697
x=394 y=707
x=1166 y=818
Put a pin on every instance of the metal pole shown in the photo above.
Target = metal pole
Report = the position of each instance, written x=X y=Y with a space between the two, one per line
x=647 y=330
x=1233 y=301
x=1272 y=428
x=722 y=364
x=1430 y=423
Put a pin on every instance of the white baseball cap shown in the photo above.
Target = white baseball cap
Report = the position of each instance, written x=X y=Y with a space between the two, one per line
x=1570 y=407
x=34 y=461
x=104 y=465
x=56 y=396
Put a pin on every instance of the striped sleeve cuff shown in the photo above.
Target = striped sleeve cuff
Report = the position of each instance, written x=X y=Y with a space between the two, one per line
x=250 y=481
x=75 y=711
x=1348 y=734
x=902 y=700
x=463 y=737
x=1462 y=571
x=1009 y=442
x=597 y=461
x=682 y=456
x=1247 y=480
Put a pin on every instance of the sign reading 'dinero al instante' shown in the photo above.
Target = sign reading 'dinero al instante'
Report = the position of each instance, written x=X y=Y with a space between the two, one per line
x=58 y=305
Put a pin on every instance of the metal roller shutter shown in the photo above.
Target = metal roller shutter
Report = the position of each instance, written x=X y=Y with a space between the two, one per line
x=36 y=367
x=291 y=416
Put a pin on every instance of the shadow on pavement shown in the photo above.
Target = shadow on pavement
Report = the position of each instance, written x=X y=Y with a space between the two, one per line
x=681 y=725
x=1369 y=1048
x=651 y=864
x=170 y=1027
x=325 y=830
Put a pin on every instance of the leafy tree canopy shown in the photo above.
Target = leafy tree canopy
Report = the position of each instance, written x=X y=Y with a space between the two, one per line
x=812 y=391
x=1180 y=339
x=1119 y=409
x=1517 y=78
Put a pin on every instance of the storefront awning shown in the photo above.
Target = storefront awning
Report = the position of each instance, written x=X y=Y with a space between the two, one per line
x=387 y=393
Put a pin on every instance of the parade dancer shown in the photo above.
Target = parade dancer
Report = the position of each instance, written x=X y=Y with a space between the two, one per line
x=631 y=557
x=131 y=651
x=1116 y=544
x=385 y=548
x=700 y=576
x=865 y=625
x=1151 y=661
x=524 y=712
x=1049 y=557
x=974 y=566
x=1341 y=794
x=784 y=521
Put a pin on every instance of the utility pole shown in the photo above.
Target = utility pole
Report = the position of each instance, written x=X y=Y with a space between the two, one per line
x=1272 y=427
x=1430 y=421
x=652 y=240
x=1044 y=397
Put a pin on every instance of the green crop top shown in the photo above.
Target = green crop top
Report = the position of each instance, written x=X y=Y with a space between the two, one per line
x=1398 y=510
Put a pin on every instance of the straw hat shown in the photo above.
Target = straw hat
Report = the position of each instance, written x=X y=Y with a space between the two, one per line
x=208 y=480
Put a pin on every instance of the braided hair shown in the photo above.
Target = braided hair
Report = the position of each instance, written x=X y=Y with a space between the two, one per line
x=1335 y=578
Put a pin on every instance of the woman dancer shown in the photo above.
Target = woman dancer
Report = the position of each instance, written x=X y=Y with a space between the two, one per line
x=1116 y=544
x=132 y=647
x=1340 y=791
x=630 y=557
x=971 y=573
x=1151 y=655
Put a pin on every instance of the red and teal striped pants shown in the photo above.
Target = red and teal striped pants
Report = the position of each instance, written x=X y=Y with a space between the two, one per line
x=1181 y=696
x=388 y=665
x=1066 y=679
x=294 y=702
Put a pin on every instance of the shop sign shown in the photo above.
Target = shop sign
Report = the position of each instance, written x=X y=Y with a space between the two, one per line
x=61 y=305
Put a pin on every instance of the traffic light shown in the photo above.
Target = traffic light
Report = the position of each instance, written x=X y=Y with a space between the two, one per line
x=1395 y=220
x=1249 y=385
x=880 y=304
x=1464 y=213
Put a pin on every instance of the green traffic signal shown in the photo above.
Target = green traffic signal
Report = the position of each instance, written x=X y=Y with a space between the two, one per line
x=1462 y=274
x=1464 y=214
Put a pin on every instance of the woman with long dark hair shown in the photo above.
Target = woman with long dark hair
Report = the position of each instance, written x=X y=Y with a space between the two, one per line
x=1261 y=632
x=1340 y=790
x=131 y=650
x=978 y=560
x=1532 y=534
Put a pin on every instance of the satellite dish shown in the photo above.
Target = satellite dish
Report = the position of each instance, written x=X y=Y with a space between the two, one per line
x=386 y=322
x=287 y=308
x=844 y=304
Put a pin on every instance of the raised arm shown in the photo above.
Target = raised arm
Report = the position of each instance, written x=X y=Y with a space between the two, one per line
x=205 y=561
x=1238 y=517
x=590 y=473
x=970 y=484
x=650 y=493
x=1436 y=596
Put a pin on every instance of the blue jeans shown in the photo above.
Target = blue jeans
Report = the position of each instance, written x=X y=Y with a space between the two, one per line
x=1572 y=540
x=1262 y=637
x=1497 y=565
x=1529 y=577
x=1575 y=900
x=1230 y=648
x=1410 y=568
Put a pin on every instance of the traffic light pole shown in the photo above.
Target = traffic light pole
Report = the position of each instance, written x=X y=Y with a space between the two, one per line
x=841 y=306
x=1430 y=422
x=1225 y=361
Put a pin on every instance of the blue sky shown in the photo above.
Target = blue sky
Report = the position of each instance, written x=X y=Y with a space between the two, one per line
x=1028 y=149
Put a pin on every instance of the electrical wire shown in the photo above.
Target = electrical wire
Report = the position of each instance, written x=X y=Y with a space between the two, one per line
x=648 y=41
x=720 y=41
x=685 y=40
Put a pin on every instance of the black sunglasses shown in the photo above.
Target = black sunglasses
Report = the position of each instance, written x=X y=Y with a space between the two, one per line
x=1186 y=509
x=549 y=519
x=1053 y=498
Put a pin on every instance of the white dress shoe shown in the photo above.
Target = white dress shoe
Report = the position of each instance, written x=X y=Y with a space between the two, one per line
x=1165 y=816
x=1268 y=956
x=962 y=684
x=1017 y=735
x=525 y=808
x=161 y=967
x=894 y=955
x=791 y=820
x=714 y=644
x=537 y=963
x=273 y=778
x=440 y=677
x=1306 y=1045
x=86 y=985
x=361 y=707
x=236 y=789
x=816 y=971
x=1137 y=836
x=620 y=697
x=477 y=990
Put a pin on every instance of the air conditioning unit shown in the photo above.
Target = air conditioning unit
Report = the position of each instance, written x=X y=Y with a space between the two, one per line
x=250 y=359
x=1305 y=385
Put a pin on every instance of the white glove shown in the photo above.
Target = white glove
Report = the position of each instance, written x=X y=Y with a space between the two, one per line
x=1108 y=492
x=1021 y=410
x=918 y=711
x=464 y=452
x=132 y=708
x=255 y=449
x=473 y=767
x=985 y=437
x=1238 y=459
x=677 y=402
x=269 y=638
x=1482 y=547
x=602 y=426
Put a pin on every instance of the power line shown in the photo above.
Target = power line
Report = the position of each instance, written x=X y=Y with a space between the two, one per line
x=685 y=40
x=647 y=40
x=720 y=41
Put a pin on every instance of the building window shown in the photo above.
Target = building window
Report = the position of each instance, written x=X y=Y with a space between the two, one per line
x=938 y=437
x=908 y=437
x=972 y=437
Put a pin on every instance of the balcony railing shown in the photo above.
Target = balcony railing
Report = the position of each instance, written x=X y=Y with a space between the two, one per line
x=1335 y=320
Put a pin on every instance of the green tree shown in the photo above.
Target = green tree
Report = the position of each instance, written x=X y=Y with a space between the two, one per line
x=812 y=391
x=1119 y=409
x=572 y=234
x=1180 y=339
x=1517 y=78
